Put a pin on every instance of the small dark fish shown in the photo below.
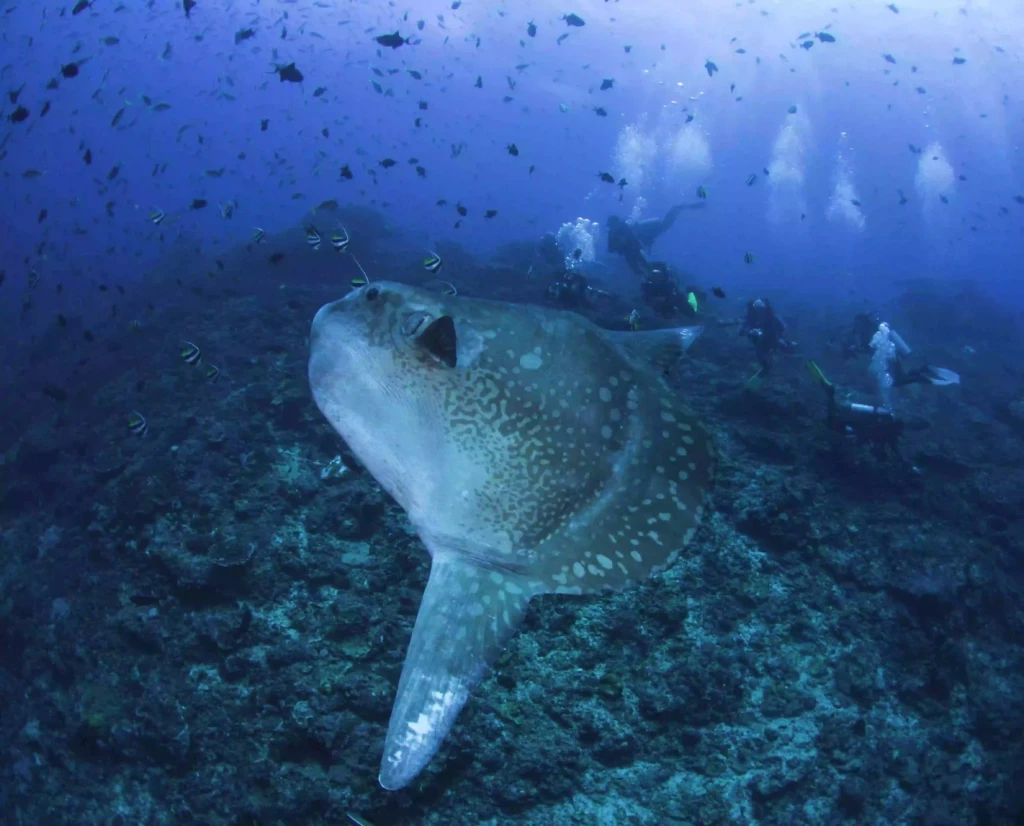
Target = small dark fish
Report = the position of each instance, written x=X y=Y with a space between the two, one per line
x=916 y=150
x=391 y=41
x=275 y=258
x=80 y=6
x=45 y=109
x=710 y=67
x=748 y=257
x=962 y=177
x=903 y=198
x=513 y=150
x=689 y=118
x=959 y=61
x=461 y=210
x=792 y=109
x=807 y=44
x=289 y=73
x=606 y=177
x=421 y=171
x=607 y=84
x=42 y=216
x=531 y=29
x=718 y=291
x=702 y=193
x=751 y=179
x=264 y=123
x=189 y=5
x=387 y=163
x=346 y=173
x=944 y=199
x=600 y=110
x=18 y=115
x=115 y=170
x=825 y=37
x=855 y=202
x=319 y=91
x=561 y=37
x=31 y=173
x=243 y=34
x=892 y=7
x=573 y=20
x=414 y=74
x=479 y=82
x=623 y=183
x=215 y=173
x=198 y=203
x=117 y=117
x=490 y=213
x=889 y=59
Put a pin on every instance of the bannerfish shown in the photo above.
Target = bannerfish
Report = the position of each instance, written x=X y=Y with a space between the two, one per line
x=533 y=452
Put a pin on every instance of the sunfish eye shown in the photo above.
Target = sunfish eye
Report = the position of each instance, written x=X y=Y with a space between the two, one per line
x=372 y=293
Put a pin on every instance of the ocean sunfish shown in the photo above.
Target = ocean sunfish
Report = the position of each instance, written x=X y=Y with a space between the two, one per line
x=533 y=453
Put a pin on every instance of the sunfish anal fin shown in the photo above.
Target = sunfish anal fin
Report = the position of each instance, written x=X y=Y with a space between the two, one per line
x=467 y=615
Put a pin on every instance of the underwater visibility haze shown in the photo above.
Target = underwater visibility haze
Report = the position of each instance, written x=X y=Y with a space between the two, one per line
x=494 y=412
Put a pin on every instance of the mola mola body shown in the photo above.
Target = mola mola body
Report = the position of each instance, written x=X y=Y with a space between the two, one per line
x=533 y=453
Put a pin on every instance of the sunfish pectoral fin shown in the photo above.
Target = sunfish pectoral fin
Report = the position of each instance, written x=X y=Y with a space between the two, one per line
x=467 y=615
x=660 y=349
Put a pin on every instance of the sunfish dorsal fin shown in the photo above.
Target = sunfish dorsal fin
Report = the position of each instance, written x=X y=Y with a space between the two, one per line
x=660 y=349
x=467 y=615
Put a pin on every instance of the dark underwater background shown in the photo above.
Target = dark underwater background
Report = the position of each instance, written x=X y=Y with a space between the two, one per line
x=205 y=622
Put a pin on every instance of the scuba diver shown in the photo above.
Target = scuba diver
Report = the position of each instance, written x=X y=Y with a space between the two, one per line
x=633 y=240
x=874 y=425
x=766 y=332
x=550 y=253
x=661 y=291
x=572 y=291
x=858 y=341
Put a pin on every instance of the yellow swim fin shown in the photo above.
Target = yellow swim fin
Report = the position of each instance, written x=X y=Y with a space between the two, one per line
x=815 y=371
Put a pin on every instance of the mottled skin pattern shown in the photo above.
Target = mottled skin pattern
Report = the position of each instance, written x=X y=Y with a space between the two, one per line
x=551 y=458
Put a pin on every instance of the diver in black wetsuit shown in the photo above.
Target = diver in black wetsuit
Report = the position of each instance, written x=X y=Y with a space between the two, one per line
x=571 y=290
x=550 y=253
x=660 y=290
x=633 y=240
x=766 y=332
x=869 y=424
x=857 y=341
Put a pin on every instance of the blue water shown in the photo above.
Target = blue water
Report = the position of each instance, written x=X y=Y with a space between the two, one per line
x=97 y=294
x=848 y=140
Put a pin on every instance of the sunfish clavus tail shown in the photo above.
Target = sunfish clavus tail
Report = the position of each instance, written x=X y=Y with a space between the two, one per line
x=533 y=452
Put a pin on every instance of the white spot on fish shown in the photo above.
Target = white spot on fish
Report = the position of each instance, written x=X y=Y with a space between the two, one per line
x=604 y=394
x=604 y=561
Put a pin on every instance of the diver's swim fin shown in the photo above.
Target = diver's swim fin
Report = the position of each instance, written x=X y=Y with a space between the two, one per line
x=939 y=376
x=815 y=371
